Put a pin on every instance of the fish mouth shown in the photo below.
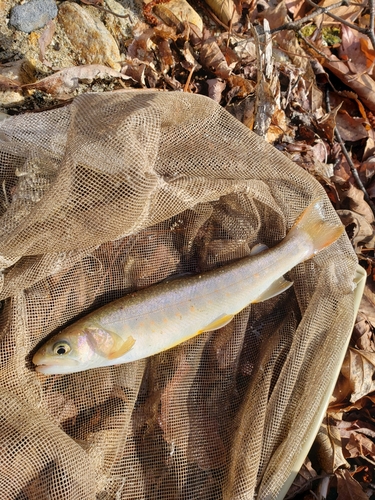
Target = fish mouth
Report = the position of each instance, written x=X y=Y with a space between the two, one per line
x=55 y=366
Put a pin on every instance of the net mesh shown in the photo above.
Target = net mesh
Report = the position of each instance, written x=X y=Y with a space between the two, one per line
x=111 y=194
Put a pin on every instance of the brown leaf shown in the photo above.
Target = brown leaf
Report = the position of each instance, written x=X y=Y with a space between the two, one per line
x=350 y=50
x=347 y=487
x=360 y=445
x=243 y=86
x=360 y=232
x=329 y=447
x=44 y=40
x=359 y=368
x=362 y=84
x=358 y=204
x=215 y=88
x=347 y=12
x=351 y=128
x=303 y=479
x=225 y=10
x=363 y=332
x=327 y=124
x=9 y=84
x=213 y=59
x=67 y=80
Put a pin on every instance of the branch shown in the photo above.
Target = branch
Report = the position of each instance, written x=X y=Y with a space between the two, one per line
x=349 y=160
x=296 y=25
x=365 y=31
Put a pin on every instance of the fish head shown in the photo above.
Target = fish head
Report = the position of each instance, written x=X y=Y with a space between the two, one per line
x=69 y=351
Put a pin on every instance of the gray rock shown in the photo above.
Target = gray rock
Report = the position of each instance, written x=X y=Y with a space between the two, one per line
x=33 y=15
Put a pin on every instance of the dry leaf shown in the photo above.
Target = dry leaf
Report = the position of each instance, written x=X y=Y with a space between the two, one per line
x=213 y=59
x=358 y=204
x=363 y=332
x=362 y=84
x=67 y=79
x=346 y=12
x=360 y=231
x=225 y=10
x=303 y=480
x=351 y=51
x=347 y=487
x=8 y=84
x=328 y=446
x=44 y=40
x=215 y=88
x=359 y=368
x=351 y=128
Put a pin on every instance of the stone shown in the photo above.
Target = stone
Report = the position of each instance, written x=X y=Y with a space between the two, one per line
x=88 y=36
x=32 y=15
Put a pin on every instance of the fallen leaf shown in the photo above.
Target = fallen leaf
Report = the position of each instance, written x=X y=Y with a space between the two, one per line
x=360 y=445
x=328 y=447
x=363 y=332
x=44 y=40
x=347 y=487
x=351 y=128
x=213 y=59
x=327 y=124
x=359 y=368
x=225 y=10
x=215 y=88
x=358 y=229
x=9 y=84
x=67 y=79
x=362 y=84
x=303 y=480
x=347 y=12
x=357 y=203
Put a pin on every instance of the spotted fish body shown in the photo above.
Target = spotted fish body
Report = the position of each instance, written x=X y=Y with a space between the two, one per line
x=164 y=315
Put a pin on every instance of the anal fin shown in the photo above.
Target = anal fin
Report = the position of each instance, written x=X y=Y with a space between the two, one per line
x=218 y=323
x=277 y=287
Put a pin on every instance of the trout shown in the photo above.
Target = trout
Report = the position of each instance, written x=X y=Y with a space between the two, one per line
x=162 y=316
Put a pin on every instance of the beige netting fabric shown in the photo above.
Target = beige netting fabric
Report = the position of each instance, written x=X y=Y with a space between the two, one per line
x=116 y=192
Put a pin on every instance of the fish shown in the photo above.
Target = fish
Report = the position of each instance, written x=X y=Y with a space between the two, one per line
x=164 y=315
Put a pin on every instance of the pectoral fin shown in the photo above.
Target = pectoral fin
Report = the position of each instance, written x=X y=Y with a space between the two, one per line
x=276 y=288
x=107 y=343
x=218 y=323
x=123 y=349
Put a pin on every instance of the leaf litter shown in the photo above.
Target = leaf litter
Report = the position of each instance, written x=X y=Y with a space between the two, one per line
x=303 y=77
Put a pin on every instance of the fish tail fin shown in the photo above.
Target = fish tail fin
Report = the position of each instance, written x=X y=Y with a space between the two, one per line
x=320 y=232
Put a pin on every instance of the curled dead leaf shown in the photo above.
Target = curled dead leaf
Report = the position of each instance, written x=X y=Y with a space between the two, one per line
x=347 y=487
x=67 y=79
x=358 y=204
x=225 y=10
x=359 y=368
x=363 y=333
x=44 y=40
x=328 y=447
x=359 y=230
x=212 y=58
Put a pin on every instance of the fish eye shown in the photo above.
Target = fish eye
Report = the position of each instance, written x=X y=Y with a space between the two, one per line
x=61 y=348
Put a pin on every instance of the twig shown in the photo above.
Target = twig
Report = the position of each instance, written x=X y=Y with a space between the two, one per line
x=100 y=7
x=311 y=45
x=296 y=25
x=349 y=160
x=186 y=86
x=365 y=31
